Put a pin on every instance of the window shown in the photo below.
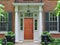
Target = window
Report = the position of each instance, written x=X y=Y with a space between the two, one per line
x=21 y=23
x=4 y=22
x=35 y=24
x=53 y=22
x=28 y=14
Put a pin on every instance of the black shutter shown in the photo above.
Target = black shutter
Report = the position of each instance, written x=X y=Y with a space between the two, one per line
x=46 y=21
x=59 y=22
x=10 y=21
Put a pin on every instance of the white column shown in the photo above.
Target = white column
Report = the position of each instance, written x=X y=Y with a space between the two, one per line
x=40 y=26
x=16 y=25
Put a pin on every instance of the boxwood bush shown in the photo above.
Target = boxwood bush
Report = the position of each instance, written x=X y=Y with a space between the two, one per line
x=10 y=43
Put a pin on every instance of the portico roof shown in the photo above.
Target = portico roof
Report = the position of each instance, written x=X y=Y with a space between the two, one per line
x=28 y=4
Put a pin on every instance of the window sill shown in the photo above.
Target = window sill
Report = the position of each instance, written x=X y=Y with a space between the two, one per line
x=3 y=32
x=54 y=32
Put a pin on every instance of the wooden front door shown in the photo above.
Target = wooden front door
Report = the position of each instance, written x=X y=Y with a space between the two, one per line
x=28 y=28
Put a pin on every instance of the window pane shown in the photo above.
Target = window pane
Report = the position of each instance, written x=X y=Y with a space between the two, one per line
x=21 y=15
x=21 y=24
x=4 y=22
x=53 y=22
x=21 y=28
x=35 y=28
x=35 y=24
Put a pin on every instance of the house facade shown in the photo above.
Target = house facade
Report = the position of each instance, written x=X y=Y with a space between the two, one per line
x=29 y=18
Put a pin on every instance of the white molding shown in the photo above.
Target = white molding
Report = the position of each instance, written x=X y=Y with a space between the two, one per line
x=40 y=22
x=41 y=4
x=3 y=32
x=20 y=33
x=16 y=24
x=54 y=32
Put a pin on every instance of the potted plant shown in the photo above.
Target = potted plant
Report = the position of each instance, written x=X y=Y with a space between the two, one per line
x=10 y=43
x=10 y=36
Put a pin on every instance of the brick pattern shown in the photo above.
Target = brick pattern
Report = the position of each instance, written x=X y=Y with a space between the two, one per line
x=55 y=35
x=9 y=8
x=8 y=5
x=48 y=6
x=20 y=1
x=2 y=35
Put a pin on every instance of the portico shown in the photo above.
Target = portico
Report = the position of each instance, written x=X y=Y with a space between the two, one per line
x=28 y=23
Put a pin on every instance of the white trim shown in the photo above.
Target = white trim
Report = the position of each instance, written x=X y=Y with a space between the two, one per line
x=40 y=22
x=16 y=25
x=54 y=32
x=3 y=32
x=57 y=25
x=19 y=34
x=41 y=4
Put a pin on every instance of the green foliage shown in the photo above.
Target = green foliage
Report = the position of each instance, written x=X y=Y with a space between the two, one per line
x=5 y=14
x=10 y=43
x=57 y=9
x=43 y=43
x=0 y=44
x=1 y=9
x=46 y=33
x=10 y=33
x=1 y=40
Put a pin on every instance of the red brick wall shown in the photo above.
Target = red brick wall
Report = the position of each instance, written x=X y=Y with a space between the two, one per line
x=9 y=8
x=27 y=1
x=49 y=5
x=55 y=35
x=2 y=35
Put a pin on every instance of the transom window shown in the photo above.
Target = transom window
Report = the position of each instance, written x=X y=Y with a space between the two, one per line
x=27 y=15
x=53 y=22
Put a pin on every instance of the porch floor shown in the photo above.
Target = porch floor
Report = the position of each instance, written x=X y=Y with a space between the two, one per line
x=28 y=43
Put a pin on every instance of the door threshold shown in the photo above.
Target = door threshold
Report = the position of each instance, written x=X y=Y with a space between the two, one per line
x=28 y=40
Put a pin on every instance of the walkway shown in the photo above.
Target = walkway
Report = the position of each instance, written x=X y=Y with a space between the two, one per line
x=28 y=43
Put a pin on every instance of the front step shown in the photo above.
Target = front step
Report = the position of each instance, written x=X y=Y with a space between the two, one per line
x=28 y=40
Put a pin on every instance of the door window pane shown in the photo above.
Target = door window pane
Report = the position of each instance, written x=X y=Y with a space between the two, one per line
x=21 y=23
x=35 y=24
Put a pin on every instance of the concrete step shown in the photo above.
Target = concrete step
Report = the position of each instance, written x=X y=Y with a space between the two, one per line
x=28 y=42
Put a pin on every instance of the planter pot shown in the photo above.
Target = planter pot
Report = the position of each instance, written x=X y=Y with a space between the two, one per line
x=10 y=39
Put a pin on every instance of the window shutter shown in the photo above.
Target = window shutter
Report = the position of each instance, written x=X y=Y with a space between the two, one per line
x=10 y=21
x=59 y=22
x=46 y=21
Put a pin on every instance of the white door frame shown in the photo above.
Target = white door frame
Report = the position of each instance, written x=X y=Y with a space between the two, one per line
x=19 y=37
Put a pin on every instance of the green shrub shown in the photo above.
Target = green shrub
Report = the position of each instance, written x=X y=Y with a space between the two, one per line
x=45 y=32
x=1 y=40
x=0 y=44
x=43 y=43
x=10 y=43
x=51 y=44
x=10 y=33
